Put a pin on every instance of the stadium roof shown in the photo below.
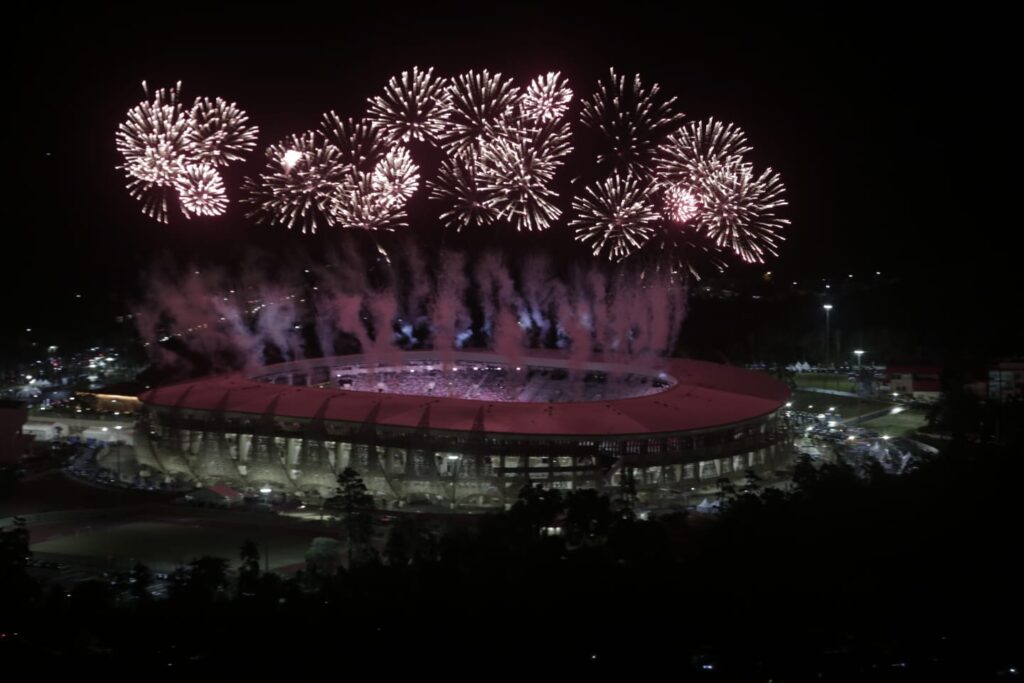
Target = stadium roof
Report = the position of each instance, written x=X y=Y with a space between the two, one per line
x=704 y=395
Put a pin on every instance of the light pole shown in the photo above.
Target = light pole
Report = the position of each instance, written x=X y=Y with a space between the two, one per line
x=858 y=353
x=828 y=310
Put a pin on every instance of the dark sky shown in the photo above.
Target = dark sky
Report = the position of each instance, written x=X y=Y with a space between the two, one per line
x=881 y=123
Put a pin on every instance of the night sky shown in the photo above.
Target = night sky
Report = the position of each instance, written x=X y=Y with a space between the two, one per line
x=881 y=124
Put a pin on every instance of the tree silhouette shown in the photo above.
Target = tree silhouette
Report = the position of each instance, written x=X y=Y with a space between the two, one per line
x=249 y=571
x=355 y=503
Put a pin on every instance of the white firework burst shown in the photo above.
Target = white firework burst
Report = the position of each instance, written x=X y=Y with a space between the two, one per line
x=396 y=177
x=361 y=143
x=303 y=178
x=201 y=191
x=360 y=207
x=414 y=106
x=458 y=182
x=633 y=118
x=699 y=149
x=679 y=204
x=738 y=211
x=218 y=132
x=615 y=216
x=479 y=100
x=516 y=175
x=547 y=97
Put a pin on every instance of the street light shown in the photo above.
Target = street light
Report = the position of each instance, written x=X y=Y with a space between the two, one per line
x=858 y=353
x=828 y=310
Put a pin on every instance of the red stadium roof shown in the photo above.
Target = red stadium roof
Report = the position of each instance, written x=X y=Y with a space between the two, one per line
x=705 y=395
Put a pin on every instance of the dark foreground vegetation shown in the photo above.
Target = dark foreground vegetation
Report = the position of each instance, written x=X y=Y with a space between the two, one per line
x=851 y=576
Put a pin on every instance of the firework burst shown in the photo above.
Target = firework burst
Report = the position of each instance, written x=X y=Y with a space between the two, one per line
x=218 y=133
x=479 y=101
x=359 y=206
x=168 y=148
x=361 y=143
x=700 y=149
x=304 y=176
x=738 y=211
x=414 y=106
x=633 y=118
x=679 y=204
x=615 y=216
x=201 y=191
x=547 y=97
x=458 y=182
x=517 y=174
x=396 y=177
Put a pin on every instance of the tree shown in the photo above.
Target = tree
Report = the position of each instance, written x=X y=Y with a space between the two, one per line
x=627 y=494
x=249 y=571
x=355 y=503
x=202 y=581
x=323 y=557
x=588 y=514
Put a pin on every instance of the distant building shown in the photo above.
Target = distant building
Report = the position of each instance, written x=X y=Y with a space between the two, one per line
x=1006 y=381
x=13 y=441
x=921 y=382
x=113 y=398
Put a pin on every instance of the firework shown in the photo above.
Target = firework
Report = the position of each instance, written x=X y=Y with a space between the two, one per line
x=679 y=204
x=201 y=191
x=547 y=97
x=167 y=148
x=738 y=210
x=633 y=118
x=155 y=132
x=359 y=206
x=218 y=132
x=152 y=197
x=395 y=177
x=615 y=216
x=302 y=180
x=414 y=106
x=458 y=182
x=698 y=150
x=516 y=175
x=361 y=143
x=478 y=102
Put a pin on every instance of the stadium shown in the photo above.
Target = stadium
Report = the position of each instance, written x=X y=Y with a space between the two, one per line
x=466 y=429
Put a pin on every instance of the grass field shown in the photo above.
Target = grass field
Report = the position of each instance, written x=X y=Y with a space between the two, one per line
x=897 y=425
x=846 y=406
x=164 y=545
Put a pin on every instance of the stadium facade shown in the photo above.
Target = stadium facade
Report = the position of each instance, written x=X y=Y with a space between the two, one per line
x=465 y=428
